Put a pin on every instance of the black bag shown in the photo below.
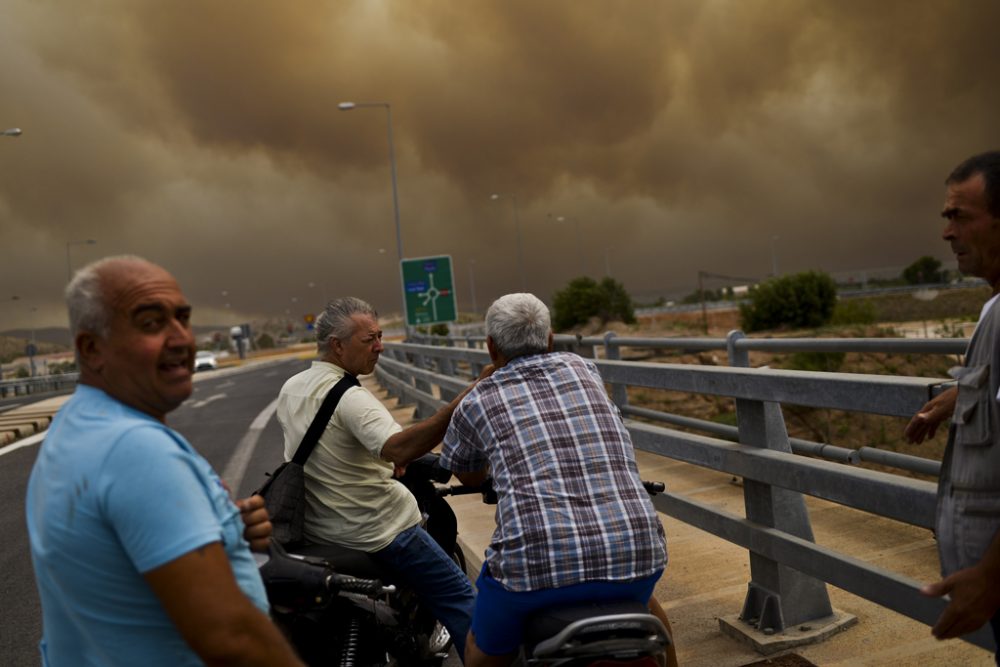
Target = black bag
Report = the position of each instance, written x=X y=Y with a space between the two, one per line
x=284 y=491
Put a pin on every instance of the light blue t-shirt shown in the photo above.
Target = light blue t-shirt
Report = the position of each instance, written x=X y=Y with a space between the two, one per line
x=113 y=494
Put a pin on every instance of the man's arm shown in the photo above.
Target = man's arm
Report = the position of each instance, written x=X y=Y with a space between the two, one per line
x=201 y=597
x=925 y=423
x=417 y=440
x=974 y=592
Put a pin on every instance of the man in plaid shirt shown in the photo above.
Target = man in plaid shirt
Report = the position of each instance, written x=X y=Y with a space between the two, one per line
x=574 y=522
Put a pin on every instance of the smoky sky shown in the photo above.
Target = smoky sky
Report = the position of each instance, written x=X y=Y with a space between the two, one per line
x=645 y=139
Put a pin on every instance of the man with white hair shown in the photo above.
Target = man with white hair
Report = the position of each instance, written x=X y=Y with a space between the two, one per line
x=352 y=499
x=140 y=556
x=574 y=522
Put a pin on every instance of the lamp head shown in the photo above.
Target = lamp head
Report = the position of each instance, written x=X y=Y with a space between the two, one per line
x=12 y=132
x=346 y=106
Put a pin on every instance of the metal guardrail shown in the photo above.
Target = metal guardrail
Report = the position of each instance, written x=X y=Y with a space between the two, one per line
x=776 y=528
x=37 y=385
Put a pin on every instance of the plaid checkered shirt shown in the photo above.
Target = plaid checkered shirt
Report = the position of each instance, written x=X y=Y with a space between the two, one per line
x=571 y=505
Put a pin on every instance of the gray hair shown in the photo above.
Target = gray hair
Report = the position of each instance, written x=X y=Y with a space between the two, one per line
x=86 y=300
x=987 y=164
x=335 y=321
x=519 y=325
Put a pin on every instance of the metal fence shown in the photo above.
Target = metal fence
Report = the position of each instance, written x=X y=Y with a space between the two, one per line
x=37 y=385
x=788 y=569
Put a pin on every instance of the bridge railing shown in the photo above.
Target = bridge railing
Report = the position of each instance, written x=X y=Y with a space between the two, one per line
x=37 y=385
x=788 y=569
x=738 y=347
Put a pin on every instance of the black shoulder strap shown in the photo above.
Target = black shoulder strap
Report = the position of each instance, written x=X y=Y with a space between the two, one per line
x=322 y=418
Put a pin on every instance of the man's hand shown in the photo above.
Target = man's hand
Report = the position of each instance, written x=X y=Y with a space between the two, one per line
x=257 y=530
x=975 y=598
x=925 y=423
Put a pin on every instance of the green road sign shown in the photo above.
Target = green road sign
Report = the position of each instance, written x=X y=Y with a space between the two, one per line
x=429 y=289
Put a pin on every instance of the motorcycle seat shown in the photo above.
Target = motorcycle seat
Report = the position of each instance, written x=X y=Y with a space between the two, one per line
x=345 y=560
x=549 y=622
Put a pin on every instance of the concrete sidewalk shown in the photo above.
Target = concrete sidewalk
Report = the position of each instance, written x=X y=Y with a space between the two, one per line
x=707 y=577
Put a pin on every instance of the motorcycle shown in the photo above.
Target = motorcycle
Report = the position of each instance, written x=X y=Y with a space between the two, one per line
x=334 y=607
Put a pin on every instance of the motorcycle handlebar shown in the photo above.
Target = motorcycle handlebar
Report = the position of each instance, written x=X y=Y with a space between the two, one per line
x=652 y=488
x=342 y=583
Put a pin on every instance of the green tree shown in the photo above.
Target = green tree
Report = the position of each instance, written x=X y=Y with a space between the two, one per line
x=800 y=300
x=585 y=298
x=924 y=270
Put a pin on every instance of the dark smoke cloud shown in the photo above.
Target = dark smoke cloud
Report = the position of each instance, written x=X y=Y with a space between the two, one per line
x=673 y=136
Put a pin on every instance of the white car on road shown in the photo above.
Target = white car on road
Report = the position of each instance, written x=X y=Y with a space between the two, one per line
x=205 y=361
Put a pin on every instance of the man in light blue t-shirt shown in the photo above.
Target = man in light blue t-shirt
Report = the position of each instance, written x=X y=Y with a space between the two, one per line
x=140 y=556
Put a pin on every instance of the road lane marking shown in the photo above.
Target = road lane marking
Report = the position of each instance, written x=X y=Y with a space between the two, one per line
x=23 y=442
x=236 y=468
x=227 y=383
x=203 y=403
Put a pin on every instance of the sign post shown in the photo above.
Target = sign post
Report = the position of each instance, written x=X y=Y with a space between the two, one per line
x=429 y=290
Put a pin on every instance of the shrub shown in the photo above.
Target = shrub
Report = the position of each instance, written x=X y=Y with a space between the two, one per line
x=798 y=301
x=265 y=341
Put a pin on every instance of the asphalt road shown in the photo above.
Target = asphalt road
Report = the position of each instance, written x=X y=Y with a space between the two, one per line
x=226 y=413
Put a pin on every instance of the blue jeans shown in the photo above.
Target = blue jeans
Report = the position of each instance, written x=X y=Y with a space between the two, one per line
x=423 y=567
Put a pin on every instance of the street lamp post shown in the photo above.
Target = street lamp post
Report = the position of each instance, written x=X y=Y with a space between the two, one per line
x=517 y=230
x=11 y=132
x=472 y=285
x=69 y=265
x=347 y=106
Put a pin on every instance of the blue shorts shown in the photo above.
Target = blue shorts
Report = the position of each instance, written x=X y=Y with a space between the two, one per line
x=498 y=622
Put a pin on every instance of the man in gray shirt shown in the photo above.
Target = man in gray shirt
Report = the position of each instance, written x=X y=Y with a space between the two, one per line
x=968 y=514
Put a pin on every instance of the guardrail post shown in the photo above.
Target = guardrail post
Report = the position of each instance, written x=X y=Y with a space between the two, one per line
x=778 y=597
x=619 y=394
x=446 y=366
x=422 y=362
x=737 y=357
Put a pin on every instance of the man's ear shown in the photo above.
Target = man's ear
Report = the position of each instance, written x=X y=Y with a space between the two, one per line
x=89 y=350
x=333 y=348
x=492 y=349
x=552 y=339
